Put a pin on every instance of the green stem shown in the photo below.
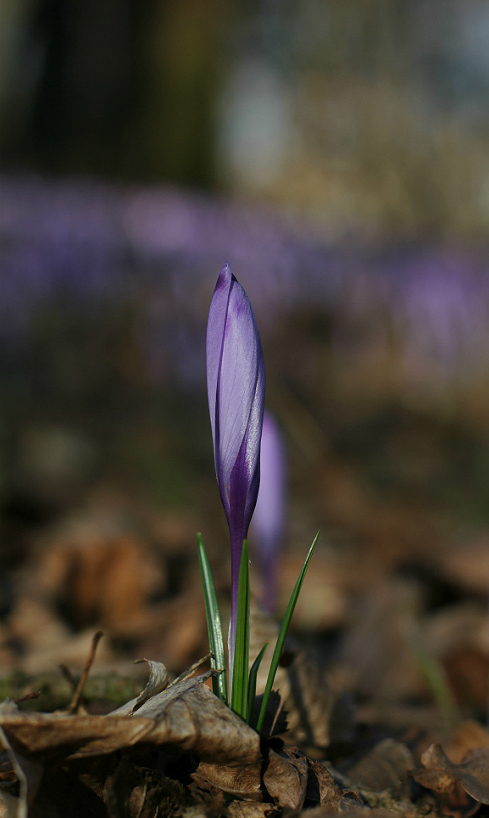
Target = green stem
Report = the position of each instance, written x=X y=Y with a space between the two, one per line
x=239 y=687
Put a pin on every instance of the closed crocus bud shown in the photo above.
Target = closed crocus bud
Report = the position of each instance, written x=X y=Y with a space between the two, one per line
x=269 y=517
x=236 y=392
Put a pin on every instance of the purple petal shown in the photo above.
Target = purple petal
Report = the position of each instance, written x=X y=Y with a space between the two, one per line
x=215 y=338
x=236 y=392
x=236 y=388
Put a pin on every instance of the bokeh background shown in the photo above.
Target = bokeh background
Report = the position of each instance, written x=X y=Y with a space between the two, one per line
x=337 y=155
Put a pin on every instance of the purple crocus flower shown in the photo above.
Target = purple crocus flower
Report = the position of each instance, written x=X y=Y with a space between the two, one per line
x=269 y=518
x=236 y=392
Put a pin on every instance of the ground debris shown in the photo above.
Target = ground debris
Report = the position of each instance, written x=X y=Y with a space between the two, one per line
x=176 y=750
x=137 y=792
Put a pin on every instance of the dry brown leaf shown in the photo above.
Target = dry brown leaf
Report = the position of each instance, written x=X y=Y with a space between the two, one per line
x=437 y=774
x=159 y=679
x=321 y=786
x=441 y=774
x=241 y=781
x=199 y=722
x=286 y=777
x=467 y=563
x=473 y=774
x=105 y=574
x=243 y=809
x=56 y=735
x=386 y=766
x=187 y=717
x=469 y=735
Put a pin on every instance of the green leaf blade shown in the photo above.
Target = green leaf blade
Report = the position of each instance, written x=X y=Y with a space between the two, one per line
x=252 y=685
x=216 y=643
x=282 y=634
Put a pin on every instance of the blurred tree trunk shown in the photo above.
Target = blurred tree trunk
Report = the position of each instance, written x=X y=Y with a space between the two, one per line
x=120 y=88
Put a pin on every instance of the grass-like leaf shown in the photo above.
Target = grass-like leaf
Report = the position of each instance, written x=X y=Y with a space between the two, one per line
x=216 y=644
x=282 y=634
x=252 y=685
x=239 y=687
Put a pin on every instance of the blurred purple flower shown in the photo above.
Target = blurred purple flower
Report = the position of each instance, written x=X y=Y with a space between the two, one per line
x=236 y=392
x=269 y=516
x=73 y=245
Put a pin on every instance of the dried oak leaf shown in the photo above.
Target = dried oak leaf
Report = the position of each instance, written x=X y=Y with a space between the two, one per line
x=441 y=774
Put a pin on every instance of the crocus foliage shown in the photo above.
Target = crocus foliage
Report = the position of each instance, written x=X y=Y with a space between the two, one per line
x=236 y=392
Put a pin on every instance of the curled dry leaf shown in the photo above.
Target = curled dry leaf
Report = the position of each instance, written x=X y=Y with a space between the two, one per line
x=441 y=775
x=159 y=679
